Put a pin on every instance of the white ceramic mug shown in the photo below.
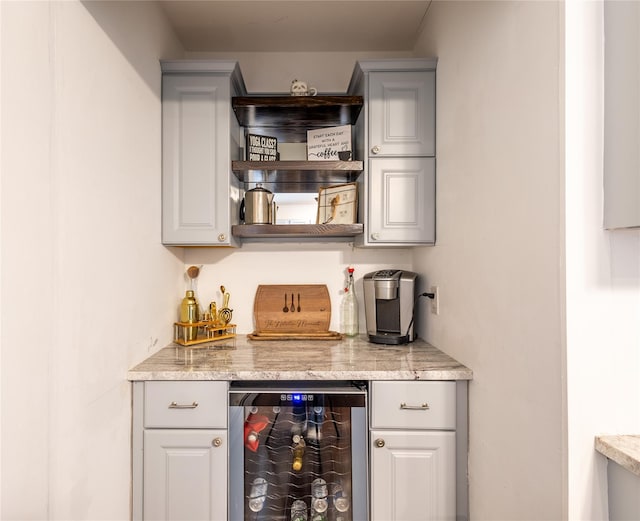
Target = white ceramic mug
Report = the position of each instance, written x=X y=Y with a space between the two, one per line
x=300 y=88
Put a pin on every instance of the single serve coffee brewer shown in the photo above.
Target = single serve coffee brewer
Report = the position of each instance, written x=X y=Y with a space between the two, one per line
x=389 y=301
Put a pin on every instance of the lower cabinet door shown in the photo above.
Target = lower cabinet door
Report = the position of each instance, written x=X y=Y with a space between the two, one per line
x=185 y=475
x=402 y=201
x=413 y=475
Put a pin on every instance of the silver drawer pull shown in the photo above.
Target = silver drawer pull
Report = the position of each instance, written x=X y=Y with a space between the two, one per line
x=174 y=405
x=423 y=407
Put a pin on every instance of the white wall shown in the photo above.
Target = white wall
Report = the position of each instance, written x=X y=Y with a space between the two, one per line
x=603 y=279
x=498 y=258
x=26 y=281
x=274 y=71
x=84 y=278
x=241 y=271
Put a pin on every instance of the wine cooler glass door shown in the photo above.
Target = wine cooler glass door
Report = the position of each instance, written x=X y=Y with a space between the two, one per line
x=298 y=455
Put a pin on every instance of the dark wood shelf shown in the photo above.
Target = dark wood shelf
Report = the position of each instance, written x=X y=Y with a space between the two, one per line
x=283 y=231
x=301 y=111
x=289 y=117
x=284 y=174
x=297 y=168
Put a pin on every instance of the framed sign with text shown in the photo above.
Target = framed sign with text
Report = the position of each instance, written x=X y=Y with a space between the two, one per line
x=329 y=144
x=261 y=148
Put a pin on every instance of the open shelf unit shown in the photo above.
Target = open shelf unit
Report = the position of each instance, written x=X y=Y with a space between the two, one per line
x=288 y=118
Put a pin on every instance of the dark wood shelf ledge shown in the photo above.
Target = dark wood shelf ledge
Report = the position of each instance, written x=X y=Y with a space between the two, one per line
x=255 y=231
x=296 y=168
x=296 y=111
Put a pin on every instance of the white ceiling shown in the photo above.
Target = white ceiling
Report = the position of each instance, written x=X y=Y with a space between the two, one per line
x=296 y=25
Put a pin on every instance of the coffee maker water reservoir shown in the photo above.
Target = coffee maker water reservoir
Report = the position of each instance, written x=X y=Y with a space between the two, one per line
x=389 y=300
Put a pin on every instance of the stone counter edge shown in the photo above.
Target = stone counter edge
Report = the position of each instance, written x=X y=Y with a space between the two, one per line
x=622 y=449
x=464 y=374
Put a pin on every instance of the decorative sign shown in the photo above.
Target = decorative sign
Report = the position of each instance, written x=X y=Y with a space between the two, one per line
x=338 y=204
x=261 y=148
x=329 y=144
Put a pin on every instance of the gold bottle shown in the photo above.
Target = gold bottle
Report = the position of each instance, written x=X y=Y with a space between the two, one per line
x=298 y=452
x=189 y=314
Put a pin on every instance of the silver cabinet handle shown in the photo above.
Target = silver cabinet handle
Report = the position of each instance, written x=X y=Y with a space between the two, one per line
x=379 y=443
x=375 y=236
x=423 y=407
x=217 y=442
x=175 y=405
x=222 y=237
x=375 y=149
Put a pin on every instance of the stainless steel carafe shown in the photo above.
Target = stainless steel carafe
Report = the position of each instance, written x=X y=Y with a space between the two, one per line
x=257 y=206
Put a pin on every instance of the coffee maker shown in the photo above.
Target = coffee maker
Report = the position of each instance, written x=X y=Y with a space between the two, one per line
x=389 y=300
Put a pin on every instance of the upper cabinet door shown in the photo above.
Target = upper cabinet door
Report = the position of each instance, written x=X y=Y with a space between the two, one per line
x=402 y=113
x=195 y=159
x=402 y=201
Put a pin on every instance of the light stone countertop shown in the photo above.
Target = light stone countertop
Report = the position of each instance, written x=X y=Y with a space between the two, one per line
x=623 y=449
x=349 y=359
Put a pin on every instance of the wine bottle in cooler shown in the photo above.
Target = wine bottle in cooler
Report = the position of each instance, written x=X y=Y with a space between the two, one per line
x=258 y=494
x=298 y=452
x=319 y=493
x=299 y=420
x=340 y=499
x=299 y=511
x=314 y=425
x=318 y=516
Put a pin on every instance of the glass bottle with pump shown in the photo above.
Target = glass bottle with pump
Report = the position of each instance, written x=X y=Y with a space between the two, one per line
x=349 y=308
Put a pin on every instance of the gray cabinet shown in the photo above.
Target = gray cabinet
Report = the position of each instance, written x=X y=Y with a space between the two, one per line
x=204 y=177
x=401 y=193
x=417 y=453
x=185 y=475
x=413 y=451
x=402 y=118
x=200 y=138
x=180 y=453
x=621 y=115
x=413 y=476
x=396 y=136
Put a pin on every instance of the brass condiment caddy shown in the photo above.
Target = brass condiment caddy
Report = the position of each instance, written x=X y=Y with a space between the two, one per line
x=207 y=331
x=194 y=328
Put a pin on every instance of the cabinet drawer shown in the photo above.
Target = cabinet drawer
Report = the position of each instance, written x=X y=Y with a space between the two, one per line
x=413 y=405
x=196 y=405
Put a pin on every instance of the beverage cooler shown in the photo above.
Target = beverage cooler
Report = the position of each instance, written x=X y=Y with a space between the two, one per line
x=298 y=451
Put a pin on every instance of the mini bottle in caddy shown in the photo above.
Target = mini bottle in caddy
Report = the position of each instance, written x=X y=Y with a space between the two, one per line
x=389 y=303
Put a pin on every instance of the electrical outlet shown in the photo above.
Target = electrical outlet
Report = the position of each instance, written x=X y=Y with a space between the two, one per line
x=435 y=301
